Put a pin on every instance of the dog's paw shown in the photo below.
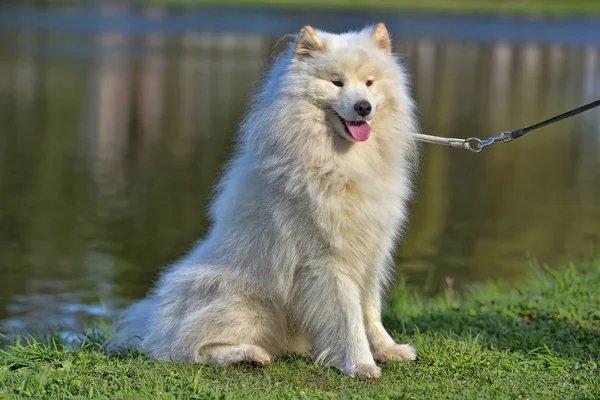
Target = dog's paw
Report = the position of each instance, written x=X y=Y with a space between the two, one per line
x=228 y=356
x=258 y=357
x=396 y=352
x=366 y=372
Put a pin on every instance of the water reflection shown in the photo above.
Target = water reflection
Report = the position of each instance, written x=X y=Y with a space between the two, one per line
x=110 y=144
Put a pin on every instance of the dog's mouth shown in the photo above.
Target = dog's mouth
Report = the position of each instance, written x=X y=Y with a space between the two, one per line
x=357 y=130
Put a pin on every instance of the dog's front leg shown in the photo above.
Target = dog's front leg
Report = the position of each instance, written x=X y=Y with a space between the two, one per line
x=328 y=304
x=383 y=346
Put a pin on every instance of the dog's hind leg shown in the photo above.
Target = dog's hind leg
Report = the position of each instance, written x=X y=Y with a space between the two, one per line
x=232 y=330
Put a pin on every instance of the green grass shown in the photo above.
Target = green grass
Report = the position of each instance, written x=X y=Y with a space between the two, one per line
x=540 y=339
x=527 y=7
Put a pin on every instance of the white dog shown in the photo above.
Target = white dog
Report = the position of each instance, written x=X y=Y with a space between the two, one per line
x=304 y=222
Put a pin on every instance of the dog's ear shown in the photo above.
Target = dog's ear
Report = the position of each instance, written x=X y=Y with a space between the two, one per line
x=381 y=36
x=308 y=42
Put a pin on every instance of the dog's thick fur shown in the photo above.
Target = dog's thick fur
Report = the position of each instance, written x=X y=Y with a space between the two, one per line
x=304 y=222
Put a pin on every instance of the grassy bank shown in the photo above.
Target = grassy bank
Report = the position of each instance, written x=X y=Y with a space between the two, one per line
x=526 y=7
x=540 y=339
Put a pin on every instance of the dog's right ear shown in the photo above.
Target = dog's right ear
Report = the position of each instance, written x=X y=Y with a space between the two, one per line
x=307 y=42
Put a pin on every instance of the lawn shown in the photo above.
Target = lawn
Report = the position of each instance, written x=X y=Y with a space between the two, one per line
x=527 y=7
x=538 y=339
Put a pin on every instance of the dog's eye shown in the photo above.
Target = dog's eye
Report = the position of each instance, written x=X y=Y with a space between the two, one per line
x=338 y=83
x=369 y=83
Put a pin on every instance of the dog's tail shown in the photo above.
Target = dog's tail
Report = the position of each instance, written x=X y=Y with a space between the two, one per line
x=132 y=327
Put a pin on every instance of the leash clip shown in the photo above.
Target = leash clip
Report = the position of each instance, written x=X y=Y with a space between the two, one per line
x=477 y=145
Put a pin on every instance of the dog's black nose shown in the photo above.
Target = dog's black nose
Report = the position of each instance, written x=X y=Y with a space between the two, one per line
x=363 y=108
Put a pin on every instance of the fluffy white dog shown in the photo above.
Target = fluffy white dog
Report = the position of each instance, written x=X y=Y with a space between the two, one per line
x=304 y=222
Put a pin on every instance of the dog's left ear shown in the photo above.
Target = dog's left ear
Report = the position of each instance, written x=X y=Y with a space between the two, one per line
x=381 y=36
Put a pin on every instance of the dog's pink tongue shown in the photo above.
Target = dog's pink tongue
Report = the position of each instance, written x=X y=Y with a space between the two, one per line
x=360 y=133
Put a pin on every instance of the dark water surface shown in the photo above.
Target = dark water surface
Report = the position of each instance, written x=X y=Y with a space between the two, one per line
x=114 y=125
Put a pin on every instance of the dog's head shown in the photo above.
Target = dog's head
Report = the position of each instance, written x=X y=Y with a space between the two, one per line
x=350 y=77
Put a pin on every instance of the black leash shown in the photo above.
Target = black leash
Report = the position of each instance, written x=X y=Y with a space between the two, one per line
x=520 y=132
x=507 y=136
x=477 y=145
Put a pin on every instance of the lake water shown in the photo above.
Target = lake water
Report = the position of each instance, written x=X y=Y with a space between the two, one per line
x=115 y=124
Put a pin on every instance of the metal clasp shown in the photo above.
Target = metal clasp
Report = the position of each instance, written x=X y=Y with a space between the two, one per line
x=477 y=145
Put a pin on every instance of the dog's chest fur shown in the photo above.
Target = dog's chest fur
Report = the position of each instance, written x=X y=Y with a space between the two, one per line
x=358 y=212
